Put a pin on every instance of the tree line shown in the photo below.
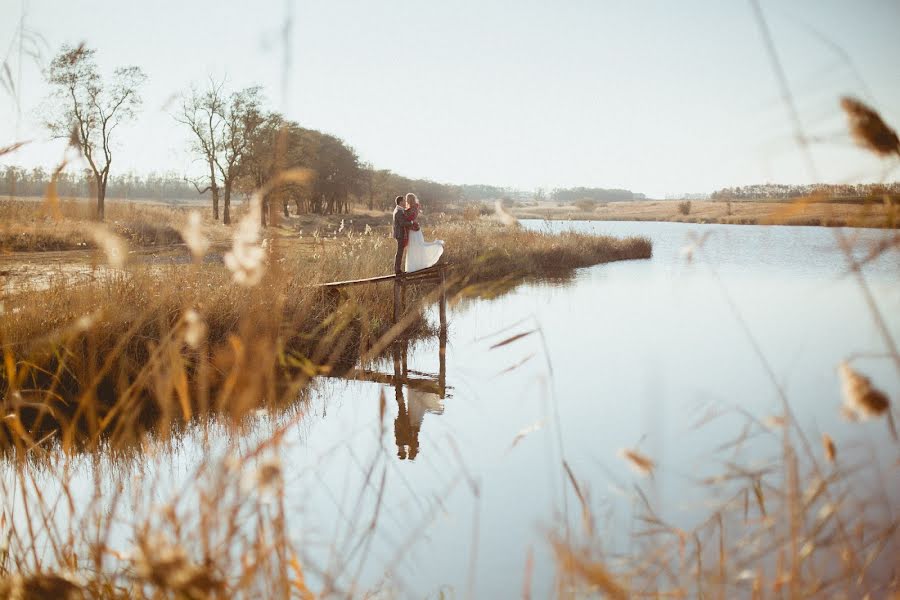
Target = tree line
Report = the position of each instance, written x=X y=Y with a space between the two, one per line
x=781 y=191
x=572 y=195
x=239 y=144
x=170 y=186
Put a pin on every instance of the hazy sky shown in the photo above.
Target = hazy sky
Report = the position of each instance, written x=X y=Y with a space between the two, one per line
x=658 y=97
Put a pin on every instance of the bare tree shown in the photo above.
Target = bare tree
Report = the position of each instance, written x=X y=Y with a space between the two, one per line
x=88 y=109
x=222 y=128
x=201 y=112
x=241 y=117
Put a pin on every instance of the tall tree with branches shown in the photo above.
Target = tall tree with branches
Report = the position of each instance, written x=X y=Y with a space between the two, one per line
x=221 y=126
x=201 y=113
x=241 y=117
x=88 y=109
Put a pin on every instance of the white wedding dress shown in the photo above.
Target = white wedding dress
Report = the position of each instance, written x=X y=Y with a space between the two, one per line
x=421 y=254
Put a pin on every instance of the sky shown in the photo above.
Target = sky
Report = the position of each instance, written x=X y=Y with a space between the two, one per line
x=658 y=97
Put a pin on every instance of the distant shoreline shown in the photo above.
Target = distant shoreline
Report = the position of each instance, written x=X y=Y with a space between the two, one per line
x=746 y=212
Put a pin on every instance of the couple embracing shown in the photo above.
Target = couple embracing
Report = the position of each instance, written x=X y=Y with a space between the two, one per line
x=419 y=253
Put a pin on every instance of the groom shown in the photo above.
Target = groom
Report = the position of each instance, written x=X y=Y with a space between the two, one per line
x=401 y=233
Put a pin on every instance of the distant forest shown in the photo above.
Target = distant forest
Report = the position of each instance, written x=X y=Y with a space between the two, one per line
x=778 y=191
x=570 y=195
x=373 y=188
x=16 y=181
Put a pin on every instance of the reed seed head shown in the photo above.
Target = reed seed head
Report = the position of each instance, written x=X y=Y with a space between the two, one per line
x=640 y=463
x=868 y=129
x=193 y=236
x=195 y=328
x=861 y=398
x=246 y=258
x=113 y=246
x=829 y=447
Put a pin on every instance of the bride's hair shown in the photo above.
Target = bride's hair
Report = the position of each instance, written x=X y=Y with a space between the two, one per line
x=411 y=198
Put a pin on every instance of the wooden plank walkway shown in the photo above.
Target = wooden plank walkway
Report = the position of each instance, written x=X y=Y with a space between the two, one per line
x=414 y=277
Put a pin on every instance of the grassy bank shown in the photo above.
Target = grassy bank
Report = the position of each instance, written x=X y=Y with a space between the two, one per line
x=876 y=213
x=34 y=224
x=152 y=341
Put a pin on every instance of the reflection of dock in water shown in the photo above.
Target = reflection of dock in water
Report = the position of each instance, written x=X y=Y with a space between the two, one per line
x=421 y=382
x=425 y=391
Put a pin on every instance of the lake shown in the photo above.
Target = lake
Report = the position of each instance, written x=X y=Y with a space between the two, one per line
x=672 y=356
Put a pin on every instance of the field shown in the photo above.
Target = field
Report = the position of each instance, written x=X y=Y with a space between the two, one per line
x=800 y=212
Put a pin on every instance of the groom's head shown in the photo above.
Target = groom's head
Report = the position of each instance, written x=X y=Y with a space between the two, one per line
x=399 y=200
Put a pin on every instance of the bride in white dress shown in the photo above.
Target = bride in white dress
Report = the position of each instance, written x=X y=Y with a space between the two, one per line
x=419 y=253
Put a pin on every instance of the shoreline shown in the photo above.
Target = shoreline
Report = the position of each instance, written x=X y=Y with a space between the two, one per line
x=798 y=213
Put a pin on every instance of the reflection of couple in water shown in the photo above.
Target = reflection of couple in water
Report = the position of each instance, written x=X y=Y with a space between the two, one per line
x=410 y=415
x=409 y=419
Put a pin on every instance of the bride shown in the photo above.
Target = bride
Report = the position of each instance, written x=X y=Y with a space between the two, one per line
x=419 y=253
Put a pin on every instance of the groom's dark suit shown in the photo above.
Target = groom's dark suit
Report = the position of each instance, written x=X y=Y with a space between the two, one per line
x=401 y=232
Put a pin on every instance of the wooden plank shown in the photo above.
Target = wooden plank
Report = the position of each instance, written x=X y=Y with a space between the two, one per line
x=336 y=284
x=414 y=277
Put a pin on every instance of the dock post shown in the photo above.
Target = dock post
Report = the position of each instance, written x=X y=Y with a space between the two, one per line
x=442 y=309
x=402 y=298
x=442 y=335
x=397 y=285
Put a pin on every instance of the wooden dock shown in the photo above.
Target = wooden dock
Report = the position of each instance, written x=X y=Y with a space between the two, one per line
x=433 y=274
x=406 y=432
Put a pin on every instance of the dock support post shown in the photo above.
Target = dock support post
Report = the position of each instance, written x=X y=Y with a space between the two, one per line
x=442 y=335
x=397 y=285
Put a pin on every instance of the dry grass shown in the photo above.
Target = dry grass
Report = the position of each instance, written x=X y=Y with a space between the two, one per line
x=71 y=347
x=786 y=527
x=146 y=347
x=35 y=224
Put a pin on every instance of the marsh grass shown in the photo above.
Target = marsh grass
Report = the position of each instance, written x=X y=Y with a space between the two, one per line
x=149 y=342
x=36 y=224
x=147 y=348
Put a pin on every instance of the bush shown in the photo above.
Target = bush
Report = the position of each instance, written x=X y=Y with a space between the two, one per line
x=684 y=207
x=586 y=204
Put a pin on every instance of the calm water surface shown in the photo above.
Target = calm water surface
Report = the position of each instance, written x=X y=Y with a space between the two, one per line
x=632 y=354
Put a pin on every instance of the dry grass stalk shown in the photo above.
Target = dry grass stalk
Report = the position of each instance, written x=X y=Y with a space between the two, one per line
x=637 y=461
x=829 y=447
x=194 y=237
x=868 y=129
x=113 y=246
x=246 y=260
x=861 y=398
x=588 y=571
